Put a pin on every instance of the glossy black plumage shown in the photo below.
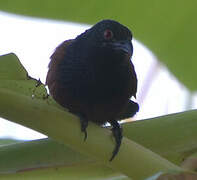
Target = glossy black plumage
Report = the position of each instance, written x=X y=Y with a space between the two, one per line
x=93 y=76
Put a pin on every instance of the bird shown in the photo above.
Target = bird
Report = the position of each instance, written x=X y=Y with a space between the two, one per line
x=94 y=78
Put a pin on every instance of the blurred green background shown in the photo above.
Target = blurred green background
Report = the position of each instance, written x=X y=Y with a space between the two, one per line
x=168 y=28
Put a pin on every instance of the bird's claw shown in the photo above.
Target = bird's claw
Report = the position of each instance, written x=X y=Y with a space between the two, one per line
x=84 y=125
x=117 y=133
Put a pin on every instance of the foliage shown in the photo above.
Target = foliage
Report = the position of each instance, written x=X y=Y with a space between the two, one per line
x=24 y=100
x=167 y=27
x=155 y=148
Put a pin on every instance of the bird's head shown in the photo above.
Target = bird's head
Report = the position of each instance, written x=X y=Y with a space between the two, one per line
x=110 y=34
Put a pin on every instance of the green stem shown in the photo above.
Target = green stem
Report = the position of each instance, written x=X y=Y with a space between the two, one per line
x=133 y=159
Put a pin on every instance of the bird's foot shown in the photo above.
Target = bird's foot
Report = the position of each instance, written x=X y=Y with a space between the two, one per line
x=84 y=125
x=117 y=133
x=38 y=82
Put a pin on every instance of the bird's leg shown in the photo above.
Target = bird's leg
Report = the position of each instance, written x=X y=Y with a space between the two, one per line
x=84 y=125
x=117 y=133
x=38 y=83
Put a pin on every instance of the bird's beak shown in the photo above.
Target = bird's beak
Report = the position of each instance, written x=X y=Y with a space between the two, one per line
x=125 y=46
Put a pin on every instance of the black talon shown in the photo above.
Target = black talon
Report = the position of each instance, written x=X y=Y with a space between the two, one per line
x=117 y=133
x=38 y=83
x=84 y=125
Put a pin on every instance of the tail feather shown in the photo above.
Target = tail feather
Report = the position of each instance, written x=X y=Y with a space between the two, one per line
x=130 y=111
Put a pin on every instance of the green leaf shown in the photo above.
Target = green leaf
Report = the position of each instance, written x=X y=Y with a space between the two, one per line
x=11 y=68
x=37 y=154
x=18 y=105
x=5 y=141
x=39 y=114
x=172 y=136
x=49 y=159
x=157 y=134
x=73 y=172
x=167 y=27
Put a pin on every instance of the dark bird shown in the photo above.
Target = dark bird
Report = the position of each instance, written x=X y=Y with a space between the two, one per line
x=93 y=76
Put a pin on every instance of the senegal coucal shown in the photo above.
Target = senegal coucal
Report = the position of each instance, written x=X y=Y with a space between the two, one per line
x=93 y=76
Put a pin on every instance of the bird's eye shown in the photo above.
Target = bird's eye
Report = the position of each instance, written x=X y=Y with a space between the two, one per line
x=108 y=34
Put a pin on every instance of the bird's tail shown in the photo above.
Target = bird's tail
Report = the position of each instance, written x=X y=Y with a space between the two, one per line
x=129 y=111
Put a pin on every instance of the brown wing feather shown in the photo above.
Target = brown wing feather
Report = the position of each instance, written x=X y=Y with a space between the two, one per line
x=56 y=58
x=133 y=80
x=95 y=112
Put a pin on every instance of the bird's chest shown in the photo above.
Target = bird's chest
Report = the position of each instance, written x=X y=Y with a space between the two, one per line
x=110 y=78
x=103 y=76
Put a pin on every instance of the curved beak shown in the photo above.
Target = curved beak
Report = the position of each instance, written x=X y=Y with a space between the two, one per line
x=125 y=46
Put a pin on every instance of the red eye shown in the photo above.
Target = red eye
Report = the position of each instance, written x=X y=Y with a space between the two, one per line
x=108 y=34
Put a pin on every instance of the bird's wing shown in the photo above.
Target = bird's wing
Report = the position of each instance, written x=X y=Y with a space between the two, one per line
x=133 y=80
x=56 y=58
